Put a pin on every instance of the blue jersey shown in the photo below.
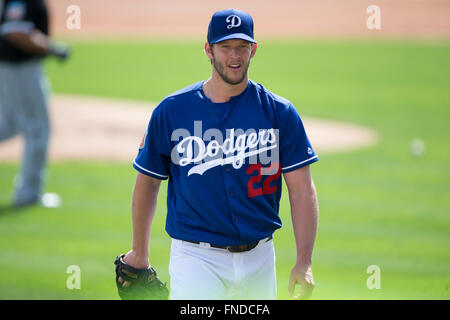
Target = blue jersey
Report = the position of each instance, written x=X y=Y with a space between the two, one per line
x=224 y=162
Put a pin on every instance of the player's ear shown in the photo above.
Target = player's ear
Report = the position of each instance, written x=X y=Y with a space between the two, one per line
x=208 y=50
x=254 y=46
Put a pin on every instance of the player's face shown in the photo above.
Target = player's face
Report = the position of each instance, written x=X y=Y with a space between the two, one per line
x=231 y=59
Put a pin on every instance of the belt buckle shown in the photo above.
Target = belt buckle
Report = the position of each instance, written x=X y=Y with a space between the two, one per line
x=241 y=247
x=237 y=249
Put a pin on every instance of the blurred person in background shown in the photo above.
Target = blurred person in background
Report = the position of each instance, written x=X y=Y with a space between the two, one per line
x=24 y=89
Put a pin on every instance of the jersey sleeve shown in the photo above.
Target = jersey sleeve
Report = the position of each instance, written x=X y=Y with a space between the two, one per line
x=295 y=149
x=153 y=157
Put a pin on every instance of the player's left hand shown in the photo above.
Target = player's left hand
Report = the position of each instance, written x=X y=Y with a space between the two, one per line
x=142 y=284
x=301 y=274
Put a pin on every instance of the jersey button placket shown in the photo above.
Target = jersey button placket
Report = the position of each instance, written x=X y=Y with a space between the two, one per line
x=227 y=174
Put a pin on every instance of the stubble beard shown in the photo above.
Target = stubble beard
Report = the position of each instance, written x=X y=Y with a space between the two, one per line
x=220 y=70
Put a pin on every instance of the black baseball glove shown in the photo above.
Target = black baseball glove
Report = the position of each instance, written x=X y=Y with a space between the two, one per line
x=144 y=284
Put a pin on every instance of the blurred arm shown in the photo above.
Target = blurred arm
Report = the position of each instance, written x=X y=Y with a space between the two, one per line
x=304 y=212
x=35 y=42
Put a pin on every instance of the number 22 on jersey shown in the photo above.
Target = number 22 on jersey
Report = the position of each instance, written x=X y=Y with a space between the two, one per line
x=266 y=187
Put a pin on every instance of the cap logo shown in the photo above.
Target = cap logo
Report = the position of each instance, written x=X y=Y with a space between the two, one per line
x=234 y=21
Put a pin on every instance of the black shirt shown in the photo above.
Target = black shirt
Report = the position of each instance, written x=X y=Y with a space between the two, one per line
x=22 y=16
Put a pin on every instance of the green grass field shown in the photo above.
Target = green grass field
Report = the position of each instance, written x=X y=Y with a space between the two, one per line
x=378 y=206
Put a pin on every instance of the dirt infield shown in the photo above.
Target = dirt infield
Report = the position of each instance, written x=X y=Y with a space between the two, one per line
x=281 y=18
x=105 y=129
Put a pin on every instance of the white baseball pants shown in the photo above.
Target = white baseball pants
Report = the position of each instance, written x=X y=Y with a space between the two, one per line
x=201 y=272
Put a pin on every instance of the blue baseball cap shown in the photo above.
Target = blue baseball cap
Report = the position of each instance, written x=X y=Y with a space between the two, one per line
x=230 y=24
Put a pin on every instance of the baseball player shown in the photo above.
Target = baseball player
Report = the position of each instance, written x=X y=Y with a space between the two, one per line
x=24 y=89
x=224 y=144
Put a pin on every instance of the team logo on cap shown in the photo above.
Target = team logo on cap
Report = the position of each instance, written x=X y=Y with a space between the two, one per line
x=234 y=21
